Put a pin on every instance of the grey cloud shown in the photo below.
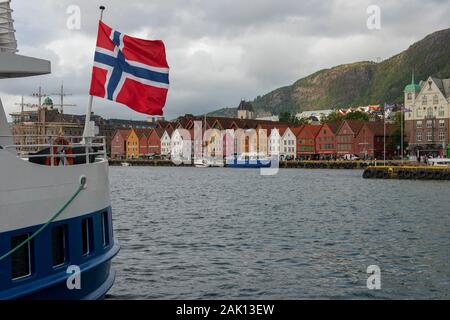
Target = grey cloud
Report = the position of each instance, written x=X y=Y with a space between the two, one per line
x=219 y=51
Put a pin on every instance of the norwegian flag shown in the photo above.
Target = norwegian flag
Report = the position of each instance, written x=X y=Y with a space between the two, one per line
x=130 y=71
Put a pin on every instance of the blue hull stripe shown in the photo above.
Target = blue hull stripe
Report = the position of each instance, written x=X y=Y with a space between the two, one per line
x=48 y=282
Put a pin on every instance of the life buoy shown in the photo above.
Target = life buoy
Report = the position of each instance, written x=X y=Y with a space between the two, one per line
x=62 y=152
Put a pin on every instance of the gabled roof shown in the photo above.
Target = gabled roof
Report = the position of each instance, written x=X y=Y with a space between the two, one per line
x=282 y=130
x=161 y=124
x=159 y=132
x=355 y=125
x=124 y=133
x=312 y=129
x=296 y=130
x=169 y=131
x=142 y=132
x=443 y=85
x=334 y=125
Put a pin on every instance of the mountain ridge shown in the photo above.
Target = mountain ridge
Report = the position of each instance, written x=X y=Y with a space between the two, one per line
x=359 y=83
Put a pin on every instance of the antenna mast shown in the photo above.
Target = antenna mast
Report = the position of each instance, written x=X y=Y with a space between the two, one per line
x=39 y=95
x=22 y=108
x=61 y=95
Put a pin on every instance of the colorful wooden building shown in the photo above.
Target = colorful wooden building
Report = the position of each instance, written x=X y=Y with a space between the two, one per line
x=154 y=141
x=119 y=143
x=133 y=145
x=346 y=137
x=326 y=140
x=306 y=137
x=370 y=140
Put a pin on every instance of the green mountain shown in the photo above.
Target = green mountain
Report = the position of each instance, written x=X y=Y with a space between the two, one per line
x=360 y=83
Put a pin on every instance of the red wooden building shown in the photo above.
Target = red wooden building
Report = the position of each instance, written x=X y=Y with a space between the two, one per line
x=154 y=141
x=306 y=136
x=119 y=143
x=345 y=137
x=143 y=135
x=370 y=140
x=326 y=140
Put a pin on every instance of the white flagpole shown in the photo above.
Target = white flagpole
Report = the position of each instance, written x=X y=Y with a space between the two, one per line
x=87 y=122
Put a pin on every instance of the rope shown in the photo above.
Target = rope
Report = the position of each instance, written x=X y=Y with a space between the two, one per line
x=56 y=215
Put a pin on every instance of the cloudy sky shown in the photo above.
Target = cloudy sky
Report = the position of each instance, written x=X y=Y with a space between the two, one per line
x=219 y=51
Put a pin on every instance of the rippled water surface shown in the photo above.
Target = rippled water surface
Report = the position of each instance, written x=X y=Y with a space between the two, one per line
x=190 y=233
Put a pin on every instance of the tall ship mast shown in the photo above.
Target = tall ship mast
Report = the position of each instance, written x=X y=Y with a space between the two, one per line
x=56 y=236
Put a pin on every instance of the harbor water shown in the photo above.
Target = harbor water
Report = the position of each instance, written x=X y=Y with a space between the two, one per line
x=220 y=233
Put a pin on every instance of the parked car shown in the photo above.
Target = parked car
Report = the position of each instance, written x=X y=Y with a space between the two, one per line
x=351 y=157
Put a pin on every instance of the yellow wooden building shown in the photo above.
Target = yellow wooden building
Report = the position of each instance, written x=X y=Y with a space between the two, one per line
x=133 y=145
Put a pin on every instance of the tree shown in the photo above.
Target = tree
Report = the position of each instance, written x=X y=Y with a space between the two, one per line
x=357 y=115
x=290 y=118
x=334 y=116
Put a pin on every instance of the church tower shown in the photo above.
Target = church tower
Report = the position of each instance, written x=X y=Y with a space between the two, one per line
x=411 y=91
x=245 y=110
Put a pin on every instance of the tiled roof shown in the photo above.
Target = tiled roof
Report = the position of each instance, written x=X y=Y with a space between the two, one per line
x=141 y=132
x=334 y=126
x=159 y=132
x=355 y=125
x=124 y=133
x=296 y=130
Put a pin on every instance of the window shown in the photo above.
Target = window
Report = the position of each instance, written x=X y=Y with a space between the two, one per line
x=105 y=228
x=419 y=124
x=441 y=111
x=430 y=112
x=441 y=124
x=418 y=113
x=419 y=136
x=87 y=234
x=21 y=259
x=435 y=99
x=441 y=135
x=429 y=123
x=409 y=96
x=429 y=136
x=424 y=100
x=59 y=235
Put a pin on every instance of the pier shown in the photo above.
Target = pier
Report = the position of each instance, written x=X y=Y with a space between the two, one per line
x=407 y=172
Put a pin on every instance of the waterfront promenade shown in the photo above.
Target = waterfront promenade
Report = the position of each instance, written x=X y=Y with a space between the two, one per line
x=305 y=164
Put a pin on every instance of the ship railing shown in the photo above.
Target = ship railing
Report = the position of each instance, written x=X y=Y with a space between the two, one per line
x=92 y=149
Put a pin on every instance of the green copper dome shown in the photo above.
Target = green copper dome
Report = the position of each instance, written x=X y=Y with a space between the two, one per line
x=48 y=102
x=412 y=87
